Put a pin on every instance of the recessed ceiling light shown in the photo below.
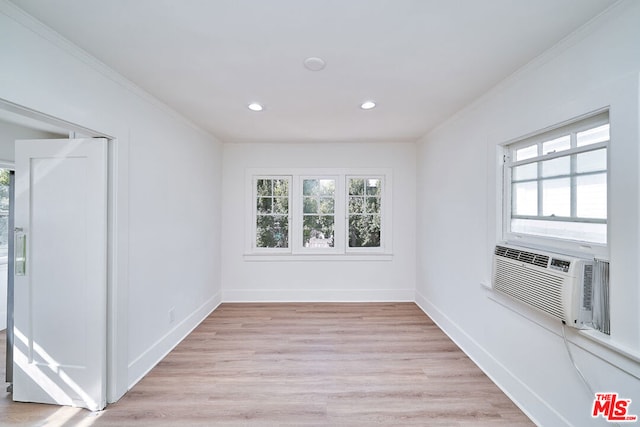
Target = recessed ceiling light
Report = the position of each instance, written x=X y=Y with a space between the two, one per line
x=368 y=105
x=254 y=106
x=314 y=64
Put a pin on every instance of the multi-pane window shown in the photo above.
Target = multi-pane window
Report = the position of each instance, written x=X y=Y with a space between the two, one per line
x=272 y=212
x=558 y=183
x=364 y=211
x=318 y=213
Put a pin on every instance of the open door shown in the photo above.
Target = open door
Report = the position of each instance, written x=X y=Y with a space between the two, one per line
x=60 y=292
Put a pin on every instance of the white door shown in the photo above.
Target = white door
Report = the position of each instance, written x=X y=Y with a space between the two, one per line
x=61 y=272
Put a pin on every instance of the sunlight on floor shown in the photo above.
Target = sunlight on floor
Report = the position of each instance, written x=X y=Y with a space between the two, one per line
x=64 y=415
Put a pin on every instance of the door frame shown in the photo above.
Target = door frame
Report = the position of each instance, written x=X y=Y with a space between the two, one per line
x=117 y=241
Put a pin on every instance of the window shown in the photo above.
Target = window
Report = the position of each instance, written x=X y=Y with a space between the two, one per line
x=272 y=212
x=364 y=203
x=319 y=212
x=556 y=183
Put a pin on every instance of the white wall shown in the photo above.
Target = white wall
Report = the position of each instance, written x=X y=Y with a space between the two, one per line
x=167 y=190
x=458 y=168
x=339 y=280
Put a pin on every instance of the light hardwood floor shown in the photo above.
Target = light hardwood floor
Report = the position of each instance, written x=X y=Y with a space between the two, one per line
x=306 y=364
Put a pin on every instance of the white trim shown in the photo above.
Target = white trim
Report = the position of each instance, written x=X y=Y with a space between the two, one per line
x=7 y=164
x=318 y=257
x=319 y=295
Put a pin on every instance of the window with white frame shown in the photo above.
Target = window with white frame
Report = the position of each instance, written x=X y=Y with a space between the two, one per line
x=272 y=212
x=556 y=183
x=365 y=201
x=320 y=212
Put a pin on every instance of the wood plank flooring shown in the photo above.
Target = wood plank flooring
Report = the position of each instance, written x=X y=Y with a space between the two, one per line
x=301 y=364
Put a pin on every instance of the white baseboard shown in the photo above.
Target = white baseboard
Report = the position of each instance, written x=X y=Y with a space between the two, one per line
x=154 y=354
x=536 y=408
x=322 y=295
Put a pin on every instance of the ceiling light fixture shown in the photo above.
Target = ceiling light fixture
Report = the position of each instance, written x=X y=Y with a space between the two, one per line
x=314 y=63
x=368 y=105
x=254 y=106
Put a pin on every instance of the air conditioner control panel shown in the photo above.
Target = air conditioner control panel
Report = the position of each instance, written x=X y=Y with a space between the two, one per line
x=560 y=265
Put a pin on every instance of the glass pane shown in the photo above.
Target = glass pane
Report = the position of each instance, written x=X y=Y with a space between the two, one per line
x=272 y=231
x=373 y=205
x=327 y=205
x=281 y=205
x=592 y=136
x=556 y=197
x=264 y=187
x=310 y=187
x=318 y=231
x=310 y=205
x=373 y=186
x=4 y=223
x=555 y=145
x=281 y=187
x=591 y=196
x=356 y=205
x=526 y=152
x=327 y=187
x=364 y=231
x=264 y=205
x=523 y=172
x=592 y=161
x=555 y=167
x=356 y=186
x=580 y=231
x=525 y=198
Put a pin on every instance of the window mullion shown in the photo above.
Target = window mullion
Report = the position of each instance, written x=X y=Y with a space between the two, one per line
x=573 y=159
x=540 y=180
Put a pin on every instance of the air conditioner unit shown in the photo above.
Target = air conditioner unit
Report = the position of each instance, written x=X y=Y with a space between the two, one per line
x=558 y=285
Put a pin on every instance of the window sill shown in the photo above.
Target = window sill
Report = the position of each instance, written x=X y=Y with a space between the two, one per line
x=318 y=257
x=606 y=341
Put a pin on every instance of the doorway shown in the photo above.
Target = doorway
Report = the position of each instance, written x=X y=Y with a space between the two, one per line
x=18 y=123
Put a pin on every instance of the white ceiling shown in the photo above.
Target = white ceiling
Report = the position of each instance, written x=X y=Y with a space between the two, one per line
x=420 y=60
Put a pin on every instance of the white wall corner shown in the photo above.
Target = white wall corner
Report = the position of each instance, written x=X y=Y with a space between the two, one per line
x=144 y=363
x=534 y=406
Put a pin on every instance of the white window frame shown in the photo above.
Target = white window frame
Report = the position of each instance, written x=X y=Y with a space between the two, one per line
x=298 y=246
x=254 y=214
x=296 y=249
x=383 y=203
x=557 y=244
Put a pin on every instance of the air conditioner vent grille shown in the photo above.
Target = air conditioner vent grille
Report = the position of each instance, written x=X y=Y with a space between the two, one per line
x=587 y=286
x=537 y=288
x=523 y=256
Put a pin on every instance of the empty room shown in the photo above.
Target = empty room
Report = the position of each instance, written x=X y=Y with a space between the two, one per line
x=304 y=212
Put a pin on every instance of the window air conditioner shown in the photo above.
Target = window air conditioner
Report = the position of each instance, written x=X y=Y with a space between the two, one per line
x=558 y=285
